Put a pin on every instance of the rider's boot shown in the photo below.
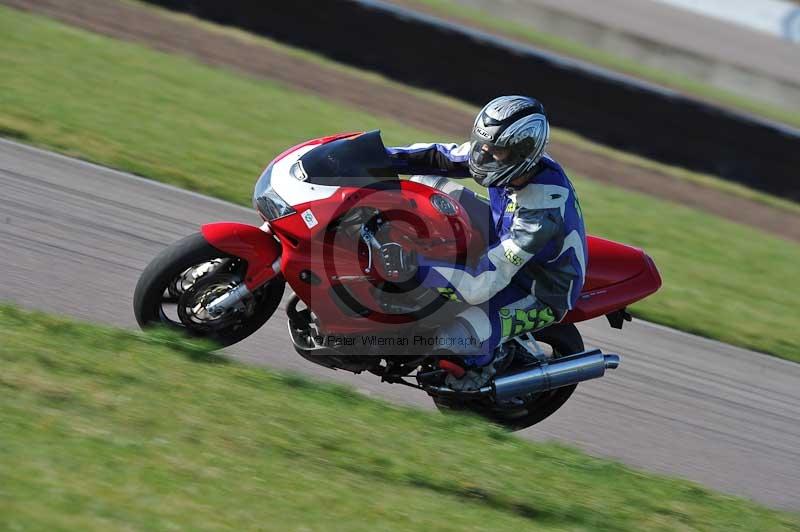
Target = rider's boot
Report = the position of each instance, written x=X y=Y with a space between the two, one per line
x=470 y=364
x=464 y=375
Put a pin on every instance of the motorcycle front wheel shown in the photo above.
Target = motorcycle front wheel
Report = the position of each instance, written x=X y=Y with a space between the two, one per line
x=175 y=288
x=562 y=340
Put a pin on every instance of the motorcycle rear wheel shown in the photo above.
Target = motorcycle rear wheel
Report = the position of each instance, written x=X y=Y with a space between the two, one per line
x=189 y=269
x=564 y=339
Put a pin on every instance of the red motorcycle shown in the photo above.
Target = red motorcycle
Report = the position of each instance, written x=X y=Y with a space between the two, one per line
x=321 y=202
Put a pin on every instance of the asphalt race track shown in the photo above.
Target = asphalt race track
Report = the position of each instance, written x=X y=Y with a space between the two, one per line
x=74 y=237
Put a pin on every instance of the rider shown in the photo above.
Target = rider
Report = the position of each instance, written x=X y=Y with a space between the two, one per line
x=533 y=270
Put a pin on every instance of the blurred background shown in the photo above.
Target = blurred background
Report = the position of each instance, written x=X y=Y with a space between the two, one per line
x=677 y=121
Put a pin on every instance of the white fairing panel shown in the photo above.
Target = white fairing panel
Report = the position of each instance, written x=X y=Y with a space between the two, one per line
x=294 y=191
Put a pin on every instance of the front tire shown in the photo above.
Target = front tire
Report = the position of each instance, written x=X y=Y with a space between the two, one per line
x=564 y=339
x=188 y=266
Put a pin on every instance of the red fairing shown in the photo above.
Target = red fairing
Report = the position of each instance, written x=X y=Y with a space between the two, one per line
x=610 y=263
x=313 y=250
x=259 y=249
x=617 y=276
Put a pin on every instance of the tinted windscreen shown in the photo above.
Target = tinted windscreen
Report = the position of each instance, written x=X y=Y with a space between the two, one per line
x=356 y=162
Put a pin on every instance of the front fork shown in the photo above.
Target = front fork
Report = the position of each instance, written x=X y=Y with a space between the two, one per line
x=257 y=246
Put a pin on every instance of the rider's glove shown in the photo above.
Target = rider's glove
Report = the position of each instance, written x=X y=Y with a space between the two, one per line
x=395 y=263
x=399 y=265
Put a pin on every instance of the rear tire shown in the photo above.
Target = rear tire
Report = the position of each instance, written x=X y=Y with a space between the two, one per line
x=565 y=340
x=157 y=284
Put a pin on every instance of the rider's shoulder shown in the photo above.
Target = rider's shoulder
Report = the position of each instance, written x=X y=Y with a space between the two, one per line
x=550 y=189
x=550 y=167
x=549 y=172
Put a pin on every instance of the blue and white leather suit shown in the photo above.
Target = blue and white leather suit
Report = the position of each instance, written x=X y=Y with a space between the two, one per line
x=534 y=268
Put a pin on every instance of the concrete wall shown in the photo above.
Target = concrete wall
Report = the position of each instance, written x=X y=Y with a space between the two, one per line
x=747 y=72
x=776 y=17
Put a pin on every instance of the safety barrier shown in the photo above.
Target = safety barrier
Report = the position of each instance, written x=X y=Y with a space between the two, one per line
x=604 y=106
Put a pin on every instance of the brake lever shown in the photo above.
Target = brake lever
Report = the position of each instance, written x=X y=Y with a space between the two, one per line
x=369 y=240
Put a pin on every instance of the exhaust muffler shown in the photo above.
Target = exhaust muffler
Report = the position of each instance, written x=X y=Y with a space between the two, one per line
x=556 y=374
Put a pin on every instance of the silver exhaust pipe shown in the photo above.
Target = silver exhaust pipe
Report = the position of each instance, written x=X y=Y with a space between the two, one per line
x=557 y=374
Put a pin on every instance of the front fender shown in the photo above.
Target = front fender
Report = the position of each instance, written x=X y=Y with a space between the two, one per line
x=259 y=249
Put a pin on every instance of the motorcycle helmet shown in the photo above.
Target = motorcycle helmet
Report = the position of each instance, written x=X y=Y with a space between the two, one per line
x=508 y=140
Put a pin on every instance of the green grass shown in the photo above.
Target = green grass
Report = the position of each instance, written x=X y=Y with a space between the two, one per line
x=103 y=429
x=517 y=30
x=155 y=114
x=209 y=130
